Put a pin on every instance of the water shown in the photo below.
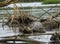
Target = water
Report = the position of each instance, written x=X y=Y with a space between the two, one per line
x=38 y=39
x=34 y=11
x=41 y=38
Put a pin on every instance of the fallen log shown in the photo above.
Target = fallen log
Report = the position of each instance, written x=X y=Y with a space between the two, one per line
x=51 y=22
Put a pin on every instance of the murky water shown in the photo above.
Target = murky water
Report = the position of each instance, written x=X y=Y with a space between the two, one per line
x=34 y=11
x=38 y=39
x=42 y=38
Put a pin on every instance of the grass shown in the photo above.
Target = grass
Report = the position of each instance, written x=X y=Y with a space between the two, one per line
x=2 y=0
x=51 y=1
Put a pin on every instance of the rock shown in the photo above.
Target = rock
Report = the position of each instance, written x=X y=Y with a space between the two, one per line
x=37 y=27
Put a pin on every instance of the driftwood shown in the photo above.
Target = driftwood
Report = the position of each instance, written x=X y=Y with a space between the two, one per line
x=26 y=23
x=50 y=23
x=37 y=27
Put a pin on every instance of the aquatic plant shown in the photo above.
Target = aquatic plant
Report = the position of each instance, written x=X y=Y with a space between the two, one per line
x=51 y=1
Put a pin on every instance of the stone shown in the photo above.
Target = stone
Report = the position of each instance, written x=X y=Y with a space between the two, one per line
x=37 y=27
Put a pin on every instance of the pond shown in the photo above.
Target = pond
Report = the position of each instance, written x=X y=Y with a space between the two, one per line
x=37 y=12
x=33 y=39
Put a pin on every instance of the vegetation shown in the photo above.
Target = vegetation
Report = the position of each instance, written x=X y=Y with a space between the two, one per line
x=44 y=1
x=26 y=0
x=51 y=1
x=30 y=0
x=2 y=0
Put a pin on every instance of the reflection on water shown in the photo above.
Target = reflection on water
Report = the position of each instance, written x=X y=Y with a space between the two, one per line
x=41 y=39
x=35 y=11
x=19 y=42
